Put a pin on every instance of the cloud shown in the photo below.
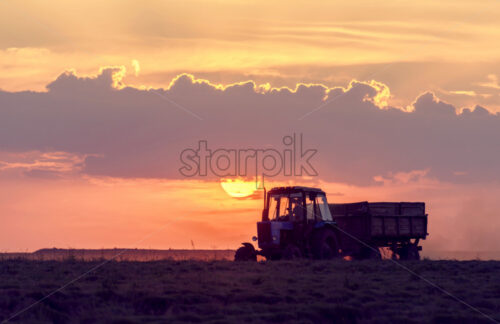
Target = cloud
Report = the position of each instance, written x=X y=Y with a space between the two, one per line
x=492 y=83
x=68 y=83
x=403 y=177
x=40 y=164
x=136 y=66
x=129 y=132
x=464 y=93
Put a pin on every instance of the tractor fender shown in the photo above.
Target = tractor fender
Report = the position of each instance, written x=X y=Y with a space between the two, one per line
x=329 y=225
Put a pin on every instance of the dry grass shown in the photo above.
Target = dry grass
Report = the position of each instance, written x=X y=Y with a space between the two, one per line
x=227 y=292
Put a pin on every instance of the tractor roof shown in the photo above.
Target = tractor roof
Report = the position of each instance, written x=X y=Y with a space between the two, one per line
x=284 y=190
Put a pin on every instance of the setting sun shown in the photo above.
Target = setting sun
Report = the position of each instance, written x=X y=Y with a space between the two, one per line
x=238 y=188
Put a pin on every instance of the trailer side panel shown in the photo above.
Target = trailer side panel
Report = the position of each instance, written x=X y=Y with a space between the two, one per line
x=382 y=223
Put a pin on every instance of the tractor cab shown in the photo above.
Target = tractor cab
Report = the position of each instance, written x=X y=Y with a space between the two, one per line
x=289 y=218
x=296 y=205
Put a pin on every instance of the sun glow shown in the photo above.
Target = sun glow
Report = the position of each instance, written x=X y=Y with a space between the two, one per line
x=238 y=188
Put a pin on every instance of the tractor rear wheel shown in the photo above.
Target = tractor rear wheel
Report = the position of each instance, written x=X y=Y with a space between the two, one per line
x=245 y=253
x=325 y=245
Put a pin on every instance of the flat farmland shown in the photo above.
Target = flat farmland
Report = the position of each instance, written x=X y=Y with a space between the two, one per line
x=302 y=291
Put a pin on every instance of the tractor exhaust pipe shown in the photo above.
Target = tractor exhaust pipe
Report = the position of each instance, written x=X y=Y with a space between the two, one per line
x=265 y=216
x=265 y=197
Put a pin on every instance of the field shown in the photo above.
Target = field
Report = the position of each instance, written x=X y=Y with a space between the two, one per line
x=301 y=291
x=120 y=255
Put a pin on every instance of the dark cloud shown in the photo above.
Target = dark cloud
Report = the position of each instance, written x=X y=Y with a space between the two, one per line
x=70 y=84
x=130 y=132
x=406 y=79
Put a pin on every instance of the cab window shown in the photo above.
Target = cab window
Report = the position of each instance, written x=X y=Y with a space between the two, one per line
x=322 y=208
x=310 y=208
x=279 y=208
x=296 y=208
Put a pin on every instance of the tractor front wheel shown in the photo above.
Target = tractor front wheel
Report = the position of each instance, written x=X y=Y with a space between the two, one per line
x=246 y=253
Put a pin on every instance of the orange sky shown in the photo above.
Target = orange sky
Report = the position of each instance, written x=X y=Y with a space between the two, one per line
x=138 y=213
x=406 y=48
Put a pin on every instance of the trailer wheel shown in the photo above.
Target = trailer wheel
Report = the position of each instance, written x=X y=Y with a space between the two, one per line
x=413 y=253
x=325 y=245
x=246 y=253
x=409 y=252
x=291 y=252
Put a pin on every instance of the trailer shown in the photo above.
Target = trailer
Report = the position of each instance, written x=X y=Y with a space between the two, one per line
x=365 y=227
